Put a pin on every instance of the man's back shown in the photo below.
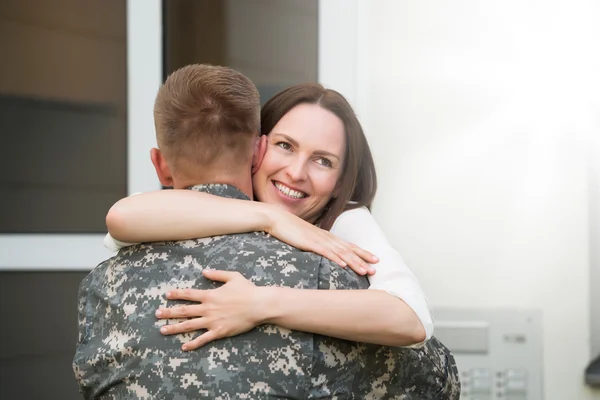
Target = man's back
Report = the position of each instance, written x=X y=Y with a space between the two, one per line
x=122 y=354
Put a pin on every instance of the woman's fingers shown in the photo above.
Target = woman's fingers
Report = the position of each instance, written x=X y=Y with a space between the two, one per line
x=185 y=326
x=196 y=295
x=341 y=254
x=330 y=254
x=187 y=311
x=361 y=259
x=367 y=256
x=338 y=251
x=221 y=276
x=356 y=258
x=355 y=262
x=190 y=326
x=200 y=341
x=226 y=311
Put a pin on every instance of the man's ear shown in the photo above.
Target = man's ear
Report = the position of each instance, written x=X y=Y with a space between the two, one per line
x=162 y=168
x=260 y=148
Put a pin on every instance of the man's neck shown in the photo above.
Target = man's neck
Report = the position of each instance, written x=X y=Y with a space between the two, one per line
x=242 y=183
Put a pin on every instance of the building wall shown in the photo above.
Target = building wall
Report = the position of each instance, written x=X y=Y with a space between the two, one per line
x=60 y=58
x=480 y=116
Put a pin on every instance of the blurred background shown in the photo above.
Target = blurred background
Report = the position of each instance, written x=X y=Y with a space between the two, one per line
x=484 y=121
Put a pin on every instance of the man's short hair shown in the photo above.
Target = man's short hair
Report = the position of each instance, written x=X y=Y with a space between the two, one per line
x=207 y=114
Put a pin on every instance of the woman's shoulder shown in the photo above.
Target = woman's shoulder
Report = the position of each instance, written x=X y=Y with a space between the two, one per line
x=359 y=211
x=353 y=217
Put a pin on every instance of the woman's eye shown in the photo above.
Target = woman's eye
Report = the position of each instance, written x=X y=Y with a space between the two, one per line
x=324 y=162
x=284 y=145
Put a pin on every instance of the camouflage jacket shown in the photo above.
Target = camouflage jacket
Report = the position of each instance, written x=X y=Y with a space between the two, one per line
x=122 y=355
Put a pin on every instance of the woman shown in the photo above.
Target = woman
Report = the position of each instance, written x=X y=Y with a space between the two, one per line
x=315 y=183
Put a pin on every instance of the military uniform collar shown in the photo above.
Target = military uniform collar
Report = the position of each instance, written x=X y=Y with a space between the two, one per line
x=221 y=189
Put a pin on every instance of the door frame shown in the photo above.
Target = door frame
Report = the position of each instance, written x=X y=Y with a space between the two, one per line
x=341 y=67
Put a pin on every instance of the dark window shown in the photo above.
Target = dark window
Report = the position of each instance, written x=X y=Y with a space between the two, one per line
x=273 y=42
x=62 y=114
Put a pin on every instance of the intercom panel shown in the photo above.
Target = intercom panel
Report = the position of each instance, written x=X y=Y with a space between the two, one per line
x=498 y=351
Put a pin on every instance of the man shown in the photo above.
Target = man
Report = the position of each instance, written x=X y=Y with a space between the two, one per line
x=207 y=121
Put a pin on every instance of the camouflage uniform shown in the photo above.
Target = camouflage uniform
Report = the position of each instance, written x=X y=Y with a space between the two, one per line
x=122 y=355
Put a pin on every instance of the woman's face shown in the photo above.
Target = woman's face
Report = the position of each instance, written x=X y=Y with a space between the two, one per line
x=304 y=158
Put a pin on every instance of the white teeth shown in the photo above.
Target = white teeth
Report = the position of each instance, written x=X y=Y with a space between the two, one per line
x=289 y=192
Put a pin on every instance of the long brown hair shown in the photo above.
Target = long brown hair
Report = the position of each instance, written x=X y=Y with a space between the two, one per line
x=357 y=183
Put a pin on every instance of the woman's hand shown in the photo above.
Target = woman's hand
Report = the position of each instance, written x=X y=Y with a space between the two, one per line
x=297 y=232
x=227 y=311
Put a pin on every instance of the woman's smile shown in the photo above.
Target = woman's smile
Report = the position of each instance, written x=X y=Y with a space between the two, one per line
x=289 y=191
x=302 y=164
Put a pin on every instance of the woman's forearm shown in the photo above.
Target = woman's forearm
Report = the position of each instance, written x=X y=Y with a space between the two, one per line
x=371 y=316
x=183 y=214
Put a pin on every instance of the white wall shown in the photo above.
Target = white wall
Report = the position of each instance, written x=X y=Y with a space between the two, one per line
x=594 y=179
x=480 y=116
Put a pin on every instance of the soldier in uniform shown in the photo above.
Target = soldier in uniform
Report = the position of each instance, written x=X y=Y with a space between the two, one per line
x=121 y=353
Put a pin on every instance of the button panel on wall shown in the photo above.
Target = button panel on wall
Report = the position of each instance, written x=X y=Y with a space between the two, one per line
x=498 y=352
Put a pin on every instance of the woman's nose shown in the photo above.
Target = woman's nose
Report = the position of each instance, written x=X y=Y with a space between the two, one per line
x=297 y=170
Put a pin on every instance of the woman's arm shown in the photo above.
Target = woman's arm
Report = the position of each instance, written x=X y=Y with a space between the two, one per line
x=178 y=214
x=393 y=276
x=371 y=316
x=185 y=214
x=394 y=311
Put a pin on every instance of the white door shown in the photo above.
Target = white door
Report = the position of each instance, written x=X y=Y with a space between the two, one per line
x=77 y=97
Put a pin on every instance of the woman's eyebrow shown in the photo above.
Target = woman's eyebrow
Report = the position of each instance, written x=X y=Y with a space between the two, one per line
x=286 y=137
x=326 y=153
x=295 y=144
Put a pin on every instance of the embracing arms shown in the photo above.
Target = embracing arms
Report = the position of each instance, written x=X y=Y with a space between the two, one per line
x=152 y=217
x=373 y=316
x=393 y=311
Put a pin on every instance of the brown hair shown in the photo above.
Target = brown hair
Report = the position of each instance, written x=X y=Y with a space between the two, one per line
x=357 y=183
x=202 y=110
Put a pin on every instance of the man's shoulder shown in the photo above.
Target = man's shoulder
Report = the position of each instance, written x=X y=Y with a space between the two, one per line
x=98 y=271
x=258 y=256
x=251 y=244
x=269 y=252
x=261 y=241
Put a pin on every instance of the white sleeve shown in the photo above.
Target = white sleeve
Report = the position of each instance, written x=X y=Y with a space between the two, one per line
x=115 y=245
x=359 y=227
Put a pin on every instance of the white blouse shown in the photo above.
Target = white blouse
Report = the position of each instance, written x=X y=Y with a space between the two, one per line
x=359 y=227
x=393 y=276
